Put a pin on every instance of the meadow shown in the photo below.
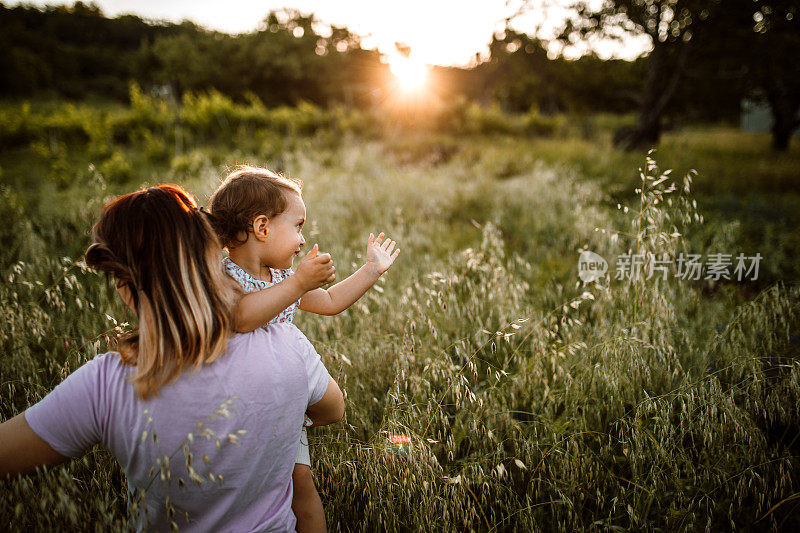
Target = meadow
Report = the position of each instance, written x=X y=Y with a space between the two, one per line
x=533 y=401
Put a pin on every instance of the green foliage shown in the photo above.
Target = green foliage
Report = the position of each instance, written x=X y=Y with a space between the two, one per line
x=535 y=124
x=117 y=167
x=461 y=116
x=755 y=41
x=77 y=53
x=520 y=74
x=69 y=51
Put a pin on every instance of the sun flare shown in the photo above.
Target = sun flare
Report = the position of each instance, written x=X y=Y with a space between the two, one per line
x=410 y=73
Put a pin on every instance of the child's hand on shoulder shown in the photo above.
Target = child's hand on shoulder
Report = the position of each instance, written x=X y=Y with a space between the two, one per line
x=315 y=270
x=380 y=255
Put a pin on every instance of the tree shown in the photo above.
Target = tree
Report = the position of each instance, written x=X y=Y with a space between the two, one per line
x=671 y=26
x=775 y=66
x=76 y=52
x=520 y=76
x=69 y=51
x=755 y=44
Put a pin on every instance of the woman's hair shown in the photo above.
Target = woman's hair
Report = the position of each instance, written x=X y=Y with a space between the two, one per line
x=246 y=193
x=162 y=247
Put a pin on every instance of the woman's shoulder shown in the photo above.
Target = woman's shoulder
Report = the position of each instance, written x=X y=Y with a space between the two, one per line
x=112 y=360
x=280 y=336
x=108 y=368
x=278 y=331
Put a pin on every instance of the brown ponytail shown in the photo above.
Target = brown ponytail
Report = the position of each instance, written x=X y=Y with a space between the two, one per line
x=158 y=243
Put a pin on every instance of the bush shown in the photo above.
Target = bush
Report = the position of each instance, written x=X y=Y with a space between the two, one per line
x=117 y=168
x=537 y=125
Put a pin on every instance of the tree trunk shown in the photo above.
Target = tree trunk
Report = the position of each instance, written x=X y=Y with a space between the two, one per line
x=781 y=134
x=662 y=80
x=784 y=108
x=648 y=129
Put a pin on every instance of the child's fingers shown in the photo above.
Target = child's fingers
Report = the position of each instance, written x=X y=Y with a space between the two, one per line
x=312 y=253
x=379 y=238
x=395 y=254
x=324 y=258
x=385 y=245
x=390 y=247
x=371 y=239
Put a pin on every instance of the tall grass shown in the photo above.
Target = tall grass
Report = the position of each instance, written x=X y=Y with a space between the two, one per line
x=533 y=401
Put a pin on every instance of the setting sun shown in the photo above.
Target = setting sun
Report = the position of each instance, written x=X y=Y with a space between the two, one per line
x=411 y=73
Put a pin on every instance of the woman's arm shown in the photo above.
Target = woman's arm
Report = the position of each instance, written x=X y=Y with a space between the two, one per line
x=325 y=401
x=330 y=409
x=65 y=423
x=22 y=450
x=344 y=294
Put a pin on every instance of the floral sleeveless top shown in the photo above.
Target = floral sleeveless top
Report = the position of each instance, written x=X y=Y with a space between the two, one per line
x=251 y=284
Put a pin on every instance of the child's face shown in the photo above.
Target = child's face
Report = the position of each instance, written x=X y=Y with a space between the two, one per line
x=285 y=234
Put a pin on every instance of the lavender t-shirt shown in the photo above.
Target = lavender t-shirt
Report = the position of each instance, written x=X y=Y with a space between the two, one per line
x=261 y=386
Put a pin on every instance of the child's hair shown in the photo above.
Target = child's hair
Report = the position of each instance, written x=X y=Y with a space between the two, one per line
x=246 y=193
x=158 y=244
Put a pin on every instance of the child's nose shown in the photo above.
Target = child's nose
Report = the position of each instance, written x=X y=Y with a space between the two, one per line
x=302 y=240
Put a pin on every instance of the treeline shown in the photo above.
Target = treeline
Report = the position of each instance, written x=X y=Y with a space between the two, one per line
x=76 y=53
x=72 y=52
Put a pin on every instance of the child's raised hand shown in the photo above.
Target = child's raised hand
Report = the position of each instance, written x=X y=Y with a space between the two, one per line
x=380 y=254
x=315 y=270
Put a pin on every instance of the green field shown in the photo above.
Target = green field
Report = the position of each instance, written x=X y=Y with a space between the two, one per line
x=533 y=401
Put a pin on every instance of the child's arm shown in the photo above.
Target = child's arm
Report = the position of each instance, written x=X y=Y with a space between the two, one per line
x=258 y=308
x=344 y=294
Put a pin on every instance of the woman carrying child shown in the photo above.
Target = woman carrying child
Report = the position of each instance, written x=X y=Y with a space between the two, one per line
x=182 y=384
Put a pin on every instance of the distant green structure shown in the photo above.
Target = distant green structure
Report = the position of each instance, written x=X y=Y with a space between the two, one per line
x=757 y=117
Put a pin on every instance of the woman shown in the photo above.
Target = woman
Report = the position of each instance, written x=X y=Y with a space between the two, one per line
x=205 y=425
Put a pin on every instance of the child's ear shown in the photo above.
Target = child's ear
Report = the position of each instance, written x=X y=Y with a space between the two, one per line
x=261 y=227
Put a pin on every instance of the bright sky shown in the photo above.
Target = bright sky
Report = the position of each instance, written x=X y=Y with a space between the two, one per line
x=440 y=32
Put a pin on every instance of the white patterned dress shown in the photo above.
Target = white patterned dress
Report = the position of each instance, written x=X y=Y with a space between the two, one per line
x=250 y=284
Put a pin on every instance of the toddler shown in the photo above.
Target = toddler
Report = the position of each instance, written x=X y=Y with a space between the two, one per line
x=259 y=217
